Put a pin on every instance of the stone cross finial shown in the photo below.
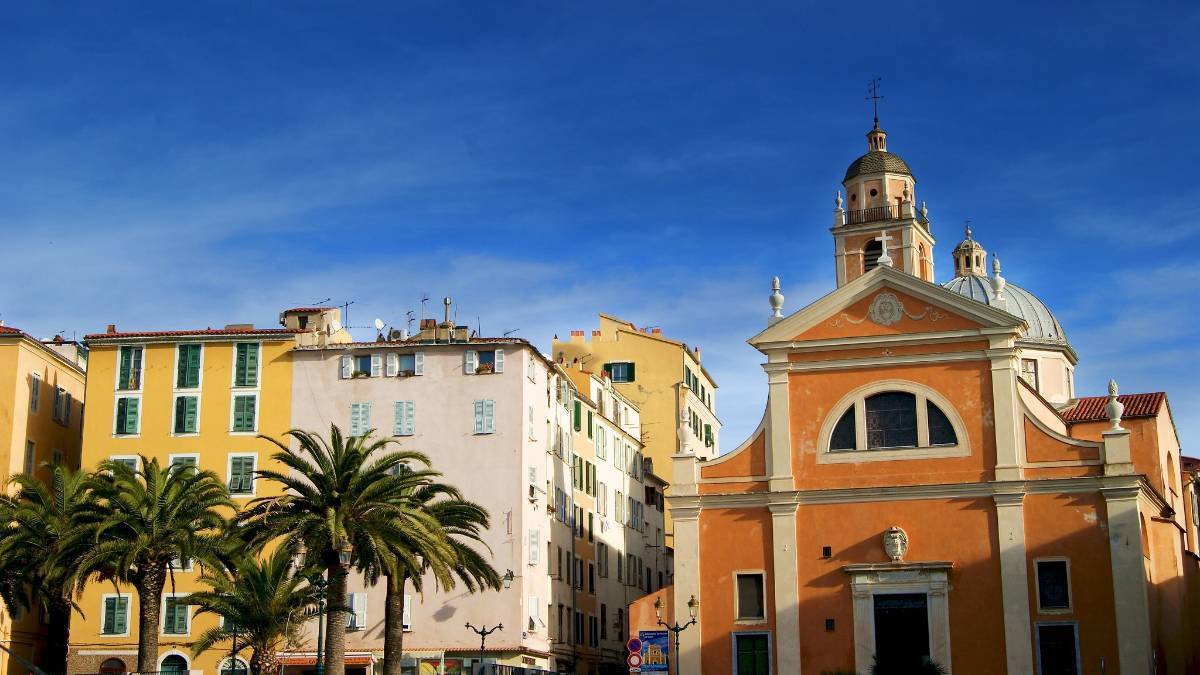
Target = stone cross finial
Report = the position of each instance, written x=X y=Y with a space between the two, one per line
x=1115 y=408
x=884 y=258
x=776 y=301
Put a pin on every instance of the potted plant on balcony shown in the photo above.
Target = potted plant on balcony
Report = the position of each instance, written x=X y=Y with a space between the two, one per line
x=485 y=368
x=406 y=373
x=359 y=373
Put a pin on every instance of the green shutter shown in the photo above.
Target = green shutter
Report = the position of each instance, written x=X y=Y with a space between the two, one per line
x=632 y=376
x=188 y=375
x=127 y=413
x=590 y=425
x=243 y=412
x=110 y=616
x=576 y=417
x=241 y=475
x=126 y=367
x=246 y=374
x=189 y=413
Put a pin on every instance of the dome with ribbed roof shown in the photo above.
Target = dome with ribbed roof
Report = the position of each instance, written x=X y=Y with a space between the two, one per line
x=877 y=161
x=1043 y=326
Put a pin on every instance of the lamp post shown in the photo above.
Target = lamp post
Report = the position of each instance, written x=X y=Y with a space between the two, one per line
x=318 y=582
x=674 y=627
x=506 y=581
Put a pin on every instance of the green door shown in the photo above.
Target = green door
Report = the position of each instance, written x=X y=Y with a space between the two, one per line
x=753 y=656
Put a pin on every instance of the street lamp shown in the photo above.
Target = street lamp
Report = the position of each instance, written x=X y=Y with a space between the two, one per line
x=318 y=582
x=507 y=579
x=693 y=607
x=485 y=631
x=345 y=553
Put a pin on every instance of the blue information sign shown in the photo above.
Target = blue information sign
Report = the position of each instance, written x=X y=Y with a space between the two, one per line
x=654 y=650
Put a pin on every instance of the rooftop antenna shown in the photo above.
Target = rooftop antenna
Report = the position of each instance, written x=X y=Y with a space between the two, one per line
x=873 y=91
x=510 y=332
x=408 y=322
x=424 y=299
x=478 y=326
x=346 y=312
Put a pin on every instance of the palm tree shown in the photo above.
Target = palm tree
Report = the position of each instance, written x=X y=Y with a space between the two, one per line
x=40 y=552
x=461 y=522
x=262 y=603
x=145 y=519
x=346 y=498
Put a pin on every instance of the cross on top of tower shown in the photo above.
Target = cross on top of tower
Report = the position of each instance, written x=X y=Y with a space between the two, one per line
x=873 y=97
x=967 y=222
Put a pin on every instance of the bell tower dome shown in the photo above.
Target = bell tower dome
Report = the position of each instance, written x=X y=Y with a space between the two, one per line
x=880 y=206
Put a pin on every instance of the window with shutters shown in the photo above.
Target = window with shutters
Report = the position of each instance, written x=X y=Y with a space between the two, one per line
x=30 y=451
x=35 y=392
x=602 y=499
x=241 y=474
x=182 y=461
x=356 y=618
x=130 y=461
x=402 y=418
x=129 y=368
x=187 y=366
x=485 y=416
x=175 y=615
x=245 y=413
x=125 y=418
x=752 y=654
x=620 y=371
x=246 y=364
x=406 y=615
x=601 y=442
x=750 y=600
x=187 y=414
x=535 y=546
x=360 y=418
x=409 y=365
x=1054 y=585
x=115 y=615
x=483 y=361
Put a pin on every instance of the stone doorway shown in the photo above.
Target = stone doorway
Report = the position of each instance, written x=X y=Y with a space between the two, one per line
x=901 y=628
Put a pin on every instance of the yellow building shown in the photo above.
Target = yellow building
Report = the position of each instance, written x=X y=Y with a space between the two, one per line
x=191 y=396
x=41 y=408
x=662 y=378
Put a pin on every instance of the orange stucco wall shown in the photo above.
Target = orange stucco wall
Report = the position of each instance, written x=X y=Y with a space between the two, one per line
x=967 y=384
x=750 y=460
x=720 y=560
x=1041 y=447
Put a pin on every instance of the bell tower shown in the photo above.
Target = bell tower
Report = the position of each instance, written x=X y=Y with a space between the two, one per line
x=880 y=210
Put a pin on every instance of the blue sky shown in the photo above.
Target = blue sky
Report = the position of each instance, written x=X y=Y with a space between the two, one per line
x=170 y=165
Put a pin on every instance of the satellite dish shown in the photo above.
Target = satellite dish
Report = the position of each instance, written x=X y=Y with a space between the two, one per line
x=335 y=325
x=378 y=324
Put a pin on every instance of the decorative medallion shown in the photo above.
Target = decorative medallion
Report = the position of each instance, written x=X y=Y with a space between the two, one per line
x=886 y=309
x=895 y=543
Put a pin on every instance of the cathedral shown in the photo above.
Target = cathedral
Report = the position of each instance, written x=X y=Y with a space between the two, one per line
x=926 y=489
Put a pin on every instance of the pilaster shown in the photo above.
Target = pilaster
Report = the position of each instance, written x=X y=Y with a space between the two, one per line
x=1014 y=581
x=1006 y=413
x=1129 y=579
x=687 y=585
x=785 y=582
x=779 y=433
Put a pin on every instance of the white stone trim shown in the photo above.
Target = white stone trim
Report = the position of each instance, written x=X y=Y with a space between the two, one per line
x=899 y=340
x=1014 y=580
x=857 y=399
x=878 y=361
x=869 y=580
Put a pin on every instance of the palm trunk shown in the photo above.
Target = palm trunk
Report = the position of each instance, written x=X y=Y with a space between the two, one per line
x=149 y=586
x=335 y=627
x=58 y=637
x=393 y=625
x=262 y=660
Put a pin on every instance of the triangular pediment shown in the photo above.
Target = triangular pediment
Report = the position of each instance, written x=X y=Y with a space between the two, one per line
x=885 y=301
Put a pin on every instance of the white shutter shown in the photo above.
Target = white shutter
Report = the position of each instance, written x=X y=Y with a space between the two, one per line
x=499 y=360
x=409 y=410
x=489 y=416
x=376 y=365
x=535 y=546
x=346 y=363
x=419 y=363
x=479 y=417
x=406 y=619
x=533 y=612
x=358 y=611
x=470 y=361
x=393 y=364
x=398 y=418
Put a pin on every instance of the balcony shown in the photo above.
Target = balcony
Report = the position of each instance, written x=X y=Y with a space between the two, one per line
x=884 y=213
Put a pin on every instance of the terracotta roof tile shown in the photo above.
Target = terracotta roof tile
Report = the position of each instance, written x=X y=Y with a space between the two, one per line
x=1092 y=408
x=201 y=332
x=306 y=310
x=9 y=330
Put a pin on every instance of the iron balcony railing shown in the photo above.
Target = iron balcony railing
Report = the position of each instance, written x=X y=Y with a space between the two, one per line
x=878 y=213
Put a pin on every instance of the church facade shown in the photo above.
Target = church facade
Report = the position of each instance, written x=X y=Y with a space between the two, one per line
x=927 y=487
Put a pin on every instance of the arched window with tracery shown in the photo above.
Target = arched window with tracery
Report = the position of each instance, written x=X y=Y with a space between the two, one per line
x=899 y=419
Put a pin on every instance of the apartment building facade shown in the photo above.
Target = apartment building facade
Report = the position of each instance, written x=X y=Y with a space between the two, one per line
x=194 y=397
x=41 y=416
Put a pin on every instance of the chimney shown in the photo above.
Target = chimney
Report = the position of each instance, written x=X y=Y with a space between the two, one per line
x=656 y=331
x=697 y=352
x=112 y=328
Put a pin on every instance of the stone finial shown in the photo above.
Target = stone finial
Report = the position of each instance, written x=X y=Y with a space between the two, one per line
x=924 y=210
x=776 y=301
x=837 y=202
x=1115 y=408
x=905 y=192
x=998 y=281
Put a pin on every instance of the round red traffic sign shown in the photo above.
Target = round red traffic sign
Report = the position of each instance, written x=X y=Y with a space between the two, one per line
x=634 y=660
x=634 y=645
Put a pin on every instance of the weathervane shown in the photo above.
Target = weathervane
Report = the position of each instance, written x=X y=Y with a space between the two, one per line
x=873 y=90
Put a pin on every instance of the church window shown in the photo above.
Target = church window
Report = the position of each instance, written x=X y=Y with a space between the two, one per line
x=891 y=420
x=750 y=598
x=1054 y=588
x=1029 y=372
x=871 y=253
x=941 y=432
x=844 y=433
x=874 y=192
